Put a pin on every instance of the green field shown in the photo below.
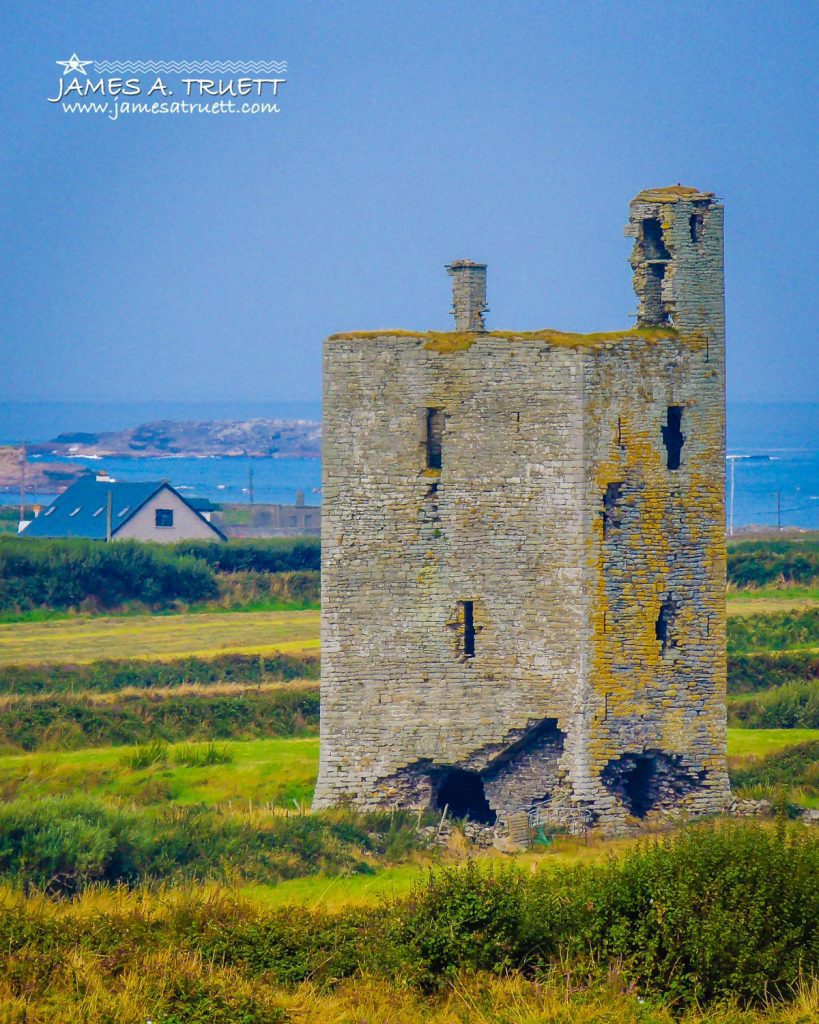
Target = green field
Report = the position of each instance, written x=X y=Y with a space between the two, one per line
x=157 y=637
x=771 y=599
x=259 y=772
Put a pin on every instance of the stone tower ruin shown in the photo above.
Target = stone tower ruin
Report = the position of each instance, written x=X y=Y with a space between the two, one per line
x=523 y=560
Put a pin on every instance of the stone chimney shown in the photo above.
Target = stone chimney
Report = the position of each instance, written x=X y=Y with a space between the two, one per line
x=468 y=295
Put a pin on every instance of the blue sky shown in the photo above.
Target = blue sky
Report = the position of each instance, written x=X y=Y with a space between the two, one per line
x=206 y=257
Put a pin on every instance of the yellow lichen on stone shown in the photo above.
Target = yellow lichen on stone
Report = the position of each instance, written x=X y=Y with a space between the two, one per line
x=671 y=194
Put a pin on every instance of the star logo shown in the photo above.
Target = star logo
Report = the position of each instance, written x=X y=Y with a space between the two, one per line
x=74 y=64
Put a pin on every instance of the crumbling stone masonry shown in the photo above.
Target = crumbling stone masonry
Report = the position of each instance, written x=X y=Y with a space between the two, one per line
x=523 y=553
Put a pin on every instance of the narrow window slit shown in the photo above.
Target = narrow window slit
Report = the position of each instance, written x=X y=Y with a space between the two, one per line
x=696 y=223
x=468 y=613
x=673 y=437
x=435 y=436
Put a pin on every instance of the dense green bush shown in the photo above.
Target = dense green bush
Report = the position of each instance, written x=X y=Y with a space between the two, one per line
x=62 y=844
x=791 y=706
x=749 y=673
x=64 y=722
x=762 y=562
x=77 y=573
x=709 y=914
x=274 y=554
x=110 y=676
x=778 y=631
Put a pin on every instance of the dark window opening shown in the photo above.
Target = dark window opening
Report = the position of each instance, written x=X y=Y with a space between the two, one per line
x=163 y=517
x=663 y=627
x=463 y=793
x=696 y=223
x=611 y=511
x=655 y=247
x=673 y=437
x=468 y=616
x=435 y=436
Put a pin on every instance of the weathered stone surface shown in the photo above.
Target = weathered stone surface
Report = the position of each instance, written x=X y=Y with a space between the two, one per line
x=575 y=528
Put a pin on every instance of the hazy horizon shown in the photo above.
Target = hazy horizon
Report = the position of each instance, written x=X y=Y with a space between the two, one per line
x=204 y=258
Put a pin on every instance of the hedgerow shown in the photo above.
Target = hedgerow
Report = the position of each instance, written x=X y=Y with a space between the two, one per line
x=748 y=673
x=759 y=563
x=73 y=573
x=78 y=573
x=65 y=722
x=777 y=631
x=273 y=554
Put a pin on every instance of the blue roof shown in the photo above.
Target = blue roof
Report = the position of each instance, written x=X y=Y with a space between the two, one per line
x=81 y=510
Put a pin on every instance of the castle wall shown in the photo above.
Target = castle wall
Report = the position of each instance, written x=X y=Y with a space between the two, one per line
x=402 y=545
x=655 y=543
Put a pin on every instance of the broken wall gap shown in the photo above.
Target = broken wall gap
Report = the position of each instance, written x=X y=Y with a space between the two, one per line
x=463 y=793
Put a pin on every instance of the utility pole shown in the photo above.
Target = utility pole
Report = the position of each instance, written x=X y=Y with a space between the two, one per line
x=23 y=455
x=778 y=509
x=109 y=509
x=732 y=462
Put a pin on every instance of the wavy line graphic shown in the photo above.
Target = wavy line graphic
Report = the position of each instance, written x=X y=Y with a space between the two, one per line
x=192 y=66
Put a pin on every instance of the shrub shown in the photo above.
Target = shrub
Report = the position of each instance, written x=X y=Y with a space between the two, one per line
x=792 y=706
x=710 y=914
x=62 y=844
x=202 y=755
x=461 y=920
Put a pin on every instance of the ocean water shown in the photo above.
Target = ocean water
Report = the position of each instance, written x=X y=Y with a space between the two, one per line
x=776 y=446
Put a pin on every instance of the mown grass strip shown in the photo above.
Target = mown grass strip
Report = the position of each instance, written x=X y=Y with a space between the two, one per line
x=157 y=637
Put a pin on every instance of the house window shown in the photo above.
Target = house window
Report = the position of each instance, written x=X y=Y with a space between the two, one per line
x=435 y=436
x=163 y=517
x=98 y=512
x=76 y=510
x=49 y=511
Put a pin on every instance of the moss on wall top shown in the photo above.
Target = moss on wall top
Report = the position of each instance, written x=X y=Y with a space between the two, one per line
x=671 y=194
x=456 y=341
